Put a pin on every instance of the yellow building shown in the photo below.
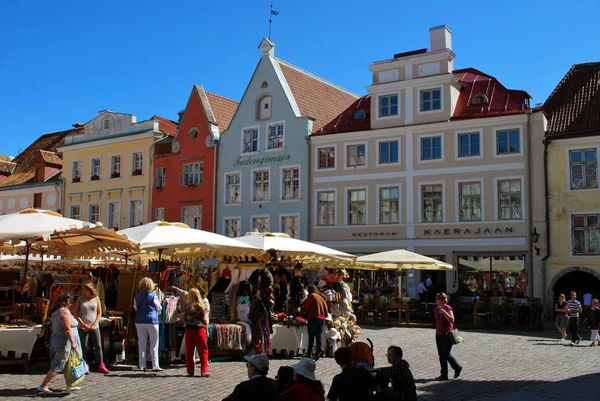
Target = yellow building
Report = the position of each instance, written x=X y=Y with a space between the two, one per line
x=572 y=143
x=107 y=172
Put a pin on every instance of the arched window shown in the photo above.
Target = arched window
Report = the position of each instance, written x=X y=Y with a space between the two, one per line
x=360 y=114
x=480 y=98
x=264 y=108
x=194 y=132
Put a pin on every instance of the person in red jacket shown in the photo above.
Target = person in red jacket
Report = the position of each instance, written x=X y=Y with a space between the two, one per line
x=307 y=387
x=316 y=305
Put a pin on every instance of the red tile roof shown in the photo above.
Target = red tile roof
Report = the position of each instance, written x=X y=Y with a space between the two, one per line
x=574 y=106
x=24 y=171
x=315 y=97
x=7 y=167
x=223 y=109
x=167 y=126
x=346 y=122
x=4 y=158
x=51 y=158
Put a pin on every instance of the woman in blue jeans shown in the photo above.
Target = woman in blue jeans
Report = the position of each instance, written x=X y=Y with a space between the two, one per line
x=444 y=322
x=316 y=305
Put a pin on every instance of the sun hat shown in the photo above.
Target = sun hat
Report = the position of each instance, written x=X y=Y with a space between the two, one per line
x=306 y=367
x=259 y=361
x=90 y=285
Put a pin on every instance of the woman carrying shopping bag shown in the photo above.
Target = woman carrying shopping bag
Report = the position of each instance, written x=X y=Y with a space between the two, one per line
x=147 y=307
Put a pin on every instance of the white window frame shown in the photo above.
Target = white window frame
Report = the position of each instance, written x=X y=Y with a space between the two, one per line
x=89 y=214
x=297 y=216
x=378 y=150
x=108 y=214
x=457 y=135
x=420 y=186
x=316 y=207
x=347 y=205
x=495 y=131
x=80 y=170
x=420 y=150
x=194 y=216
x=457 y=183
x=282 y=186
x=572 y=237
x=378 y=108
x=130 y=220
x=497 y=206
x=99 y=159
x=159 y=214
x=197 y=175
x=226 y=189
x=379 y=188
x=429 y=88
x=568 y=167
x=160 y=181
x=260 y=216
x=252 y=189
x=232 y=218
x=71 y=206
x=317 y=157
x=346 y=145
x=112 y=164
x=133 y=162
x=261 y=103
x=257 y=128
x=267 y=141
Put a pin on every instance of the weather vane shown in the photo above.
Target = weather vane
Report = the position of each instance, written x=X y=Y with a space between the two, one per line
x=273 y=12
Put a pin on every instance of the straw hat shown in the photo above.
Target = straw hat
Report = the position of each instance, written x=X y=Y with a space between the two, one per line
x=90 y=285
x=306 y=367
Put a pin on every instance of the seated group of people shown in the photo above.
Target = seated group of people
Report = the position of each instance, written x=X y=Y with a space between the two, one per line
x=299 y=383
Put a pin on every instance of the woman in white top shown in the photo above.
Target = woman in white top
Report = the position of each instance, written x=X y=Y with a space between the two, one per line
x=88 y=312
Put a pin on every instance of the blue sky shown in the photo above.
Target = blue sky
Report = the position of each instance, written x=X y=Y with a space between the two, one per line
x=63 y=61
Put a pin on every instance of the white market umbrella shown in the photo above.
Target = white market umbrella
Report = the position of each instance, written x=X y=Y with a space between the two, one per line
x=295 y=248
x=178 y=237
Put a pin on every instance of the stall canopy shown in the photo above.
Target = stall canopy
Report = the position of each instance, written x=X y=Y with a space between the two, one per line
x=295 y=248
x=404 y=260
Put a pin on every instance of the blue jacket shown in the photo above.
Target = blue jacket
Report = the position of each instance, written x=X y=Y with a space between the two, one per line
x=146 y=310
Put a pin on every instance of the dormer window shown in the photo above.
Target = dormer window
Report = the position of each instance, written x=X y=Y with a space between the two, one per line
x=360 y=115
x=194 y=133
x=264 y=108
x=479 y=98
x=106 y=124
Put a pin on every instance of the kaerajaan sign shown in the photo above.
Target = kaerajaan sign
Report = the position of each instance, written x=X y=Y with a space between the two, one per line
x=259 y=161
x=467 y=231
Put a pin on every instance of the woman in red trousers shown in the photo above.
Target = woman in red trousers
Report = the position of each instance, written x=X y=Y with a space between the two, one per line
x=196 y=326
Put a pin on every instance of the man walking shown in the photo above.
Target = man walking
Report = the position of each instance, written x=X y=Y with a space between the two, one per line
x=574 y=309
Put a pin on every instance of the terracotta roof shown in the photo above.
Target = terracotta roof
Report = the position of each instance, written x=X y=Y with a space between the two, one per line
x=346 y=121
x=51 y=158
x=573 y=107
x=4 y=158
x=24 y=171
x=223 y=109
x=316 y=97
x=167 y=126
x=7 y=167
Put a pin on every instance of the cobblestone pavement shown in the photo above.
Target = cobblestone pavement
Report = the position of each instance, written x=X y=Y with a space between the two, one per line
x=497 y=366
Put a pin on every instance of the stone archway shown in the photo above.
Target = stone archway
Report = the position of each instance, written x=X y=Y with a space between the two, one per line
x=580 y=286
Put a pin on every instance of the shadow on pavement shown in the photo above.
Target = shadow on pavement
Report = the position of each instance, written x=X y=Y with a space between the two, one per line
x=29 y=393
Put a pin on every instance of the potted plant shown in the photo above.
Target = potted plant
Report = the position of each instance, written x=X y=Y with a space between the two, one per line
x=76 y=179
x=137 y=171
x=115 y=174
x=95 y=177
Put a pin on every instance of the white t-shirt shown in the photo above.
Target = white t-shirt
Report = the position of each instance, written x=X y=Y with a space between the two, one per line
x=243 y=310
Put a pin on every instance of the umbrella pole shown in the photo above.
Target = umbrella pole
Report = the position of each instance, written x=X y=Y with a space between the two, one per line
x=26 y=261
x=42 y=264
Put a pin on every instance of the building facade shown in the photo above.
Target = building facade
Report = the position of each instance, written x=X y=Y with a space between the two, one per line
x=263 y=174
x=32 y=179
x=185 y=166
x=437 y=161
x=107 y=169
x=572 y=144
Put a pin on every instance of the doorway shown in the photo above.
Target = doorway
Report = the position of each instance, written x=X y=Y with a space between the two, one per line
x=579 y=281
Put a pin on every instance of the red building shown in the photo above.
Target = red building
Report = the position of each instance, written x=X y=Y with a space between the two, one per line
x=185 y=166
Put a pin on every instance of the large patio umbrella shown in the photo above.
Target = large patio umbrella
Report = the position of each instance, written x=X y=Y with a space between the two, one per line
x=295 y=248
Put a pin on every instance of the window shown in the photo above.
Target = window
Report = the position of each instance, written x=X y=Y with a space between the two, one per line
x=326 y=208
x=360 y=115
x=327 y=157
x=192 y=216
x=160 y=178
x=433 y=203
x=508 y=142
x=431 y=148
x=502 y=273
x=192 y=174
x=75 y=212
x=468 y=145
x=260 y=224
x=115 y=166
x=194 y=133
x=357 y=207
x=232 y=182
x=159 y=214
x=389 y=205
x=470 y=201
x=114 y=215
x=509 y=200
x=275 y=136
x=584 y=168
x=94 y=213
x=291 y=183
x=261 y=185
x=388 y=105
x=135 y=213
x=289 y=225
x=264 y=108
x=586 y=234
x=388 y=152
x=431 y=99
x=106 y=124
x=232 y=228
x=137 y=163
x=95 y=169
x=356 y=155
x=76 y=171
x=37 y=201
x=250 y=140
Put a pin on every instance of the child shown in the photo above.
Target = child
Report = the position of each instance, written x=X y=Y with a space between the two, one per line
x=594 y=320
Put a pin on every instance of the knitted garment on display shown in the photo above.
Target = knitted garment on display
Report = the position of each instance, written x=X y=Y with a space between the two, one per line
x=259 y=324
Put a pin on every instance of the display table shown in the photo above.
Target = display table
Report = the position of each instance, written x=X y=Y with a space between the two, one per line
x=228 y=339
x=292 y=339
x=16 y=344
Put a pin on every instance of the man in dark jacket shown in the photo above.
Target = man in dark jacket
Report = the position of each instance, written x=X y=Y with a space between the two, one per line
x=316 y=305
x=259 y=387
x=353 y=384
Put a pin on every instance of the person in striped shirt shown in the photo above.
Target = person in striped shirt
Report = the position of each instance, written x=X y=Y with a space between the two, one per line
x=574 y=309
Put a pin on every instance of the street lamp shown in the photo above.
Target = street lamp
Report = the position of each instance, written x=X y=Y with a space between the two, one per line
x=535 y=237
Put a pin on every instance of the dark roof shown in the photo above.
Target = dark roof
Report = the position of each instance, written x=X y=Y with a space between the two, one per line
x=223 y=109
x=4 y=158
x=24 y=171
x=346 y=122
x=574 y=106
x=163 y=147
x=51 y=158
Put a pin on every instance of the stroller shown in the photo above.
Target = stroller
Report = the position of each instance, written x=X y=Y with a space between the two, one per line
x=362 y=354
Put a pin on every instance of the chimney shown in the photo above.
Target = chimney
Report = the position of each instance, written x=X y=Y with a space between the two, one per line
x=440 y=38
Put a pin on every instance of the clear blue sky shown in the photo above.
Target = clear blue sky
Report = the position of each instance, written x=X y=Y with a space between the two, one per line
x=63 y=61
